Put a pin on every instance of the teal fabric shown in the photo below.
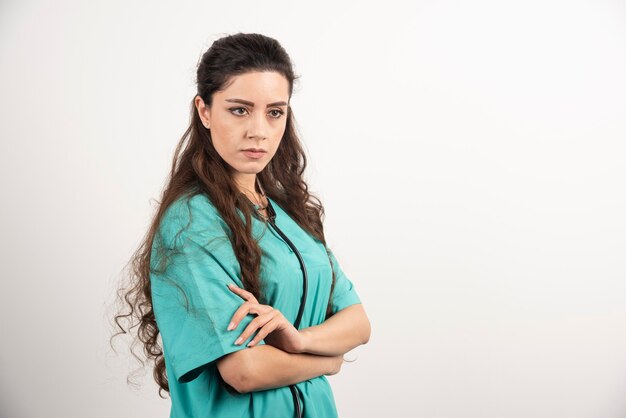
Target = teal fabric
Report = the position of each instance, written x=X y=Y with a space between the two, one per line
x=200 y=260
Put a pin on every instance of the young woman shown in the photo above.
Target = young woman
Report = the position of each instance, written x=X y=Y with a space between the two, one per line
x=235 y=275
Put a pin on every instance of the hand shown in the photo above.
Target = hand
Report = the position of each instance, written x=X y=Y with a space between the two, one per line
x=273 y=327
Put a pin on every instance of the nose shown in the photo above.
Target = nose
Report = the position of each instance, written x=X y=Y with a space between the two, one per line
x=258 y=127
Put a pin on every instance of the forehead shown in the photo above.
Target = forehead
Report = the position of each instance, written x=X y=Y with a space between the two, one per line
x=258 y=86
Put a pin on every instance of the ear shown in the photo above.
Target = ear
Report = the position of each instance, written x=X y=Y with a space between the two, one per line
x=203 y=111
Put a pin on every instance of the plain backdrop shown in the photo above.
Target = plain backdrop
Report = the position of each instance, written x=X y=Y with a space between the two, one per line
x=470 y=156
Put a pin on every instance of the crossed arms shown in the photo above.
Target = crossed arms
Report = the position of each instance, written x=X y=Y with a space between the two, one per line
x=264 y=366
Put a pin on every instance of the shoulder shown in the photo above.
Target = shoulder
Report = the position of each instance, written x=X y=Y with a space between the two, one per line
x=194 y=216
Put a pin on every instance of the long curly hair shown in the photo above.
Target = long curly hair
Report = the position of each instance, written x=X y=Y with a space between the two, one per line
x=198 y=168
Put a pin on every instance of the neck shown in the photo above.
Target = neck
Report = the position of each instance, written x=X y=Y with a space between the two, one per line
x=246 y=181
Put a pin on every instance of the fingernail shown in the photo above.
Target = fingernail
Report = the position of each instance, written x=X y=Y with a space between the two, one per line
x=231 y=326
x=238 y=340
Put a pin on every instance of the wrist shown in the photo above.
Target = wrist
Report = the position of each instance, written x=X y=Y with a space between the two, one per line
x=306 y=339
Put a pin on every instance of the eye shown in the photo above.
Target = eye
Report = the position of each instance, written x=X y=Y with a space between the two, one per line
x=233 y=109
x=280 y=113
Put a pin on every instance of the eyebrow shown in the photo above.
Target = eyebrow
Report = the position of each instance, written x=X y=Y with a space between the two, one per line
x=252 y=104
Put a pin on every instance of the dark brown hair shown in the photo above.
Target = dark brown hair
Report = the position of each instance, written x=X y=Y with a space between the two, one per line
x=198 y=168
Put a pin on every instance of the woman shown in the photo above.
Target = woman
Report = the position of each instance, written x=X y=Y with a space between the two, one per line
x=252 y=307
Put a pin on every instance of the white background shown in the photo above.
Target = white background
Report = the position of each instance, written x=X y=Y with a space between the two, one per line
x=469 y=154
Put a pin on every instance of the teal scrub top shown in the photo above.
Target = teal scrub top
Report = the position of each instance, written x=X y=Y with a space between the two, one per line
x=200 y=260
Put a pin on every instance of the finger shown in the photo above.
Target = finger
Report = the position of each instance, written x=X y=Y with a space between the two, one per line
x=242 y=292
x=275 y=323
x=258 y=322
x=246 y=308
x=269 y=327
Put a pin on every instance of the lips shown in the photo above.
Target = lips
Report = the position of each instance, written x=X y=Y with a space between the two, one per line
x=255 y=149
x=255 y=155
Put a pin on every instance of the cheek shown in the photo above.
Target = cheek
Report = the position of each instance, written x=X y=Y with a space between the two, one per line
x=225 y=147
x=224 y=139
x=274 y=148
x=279 y=138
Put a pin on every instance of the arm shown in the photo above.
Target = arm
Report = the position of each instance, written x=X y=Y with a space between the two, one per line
x=339 y=334
x=266 y=367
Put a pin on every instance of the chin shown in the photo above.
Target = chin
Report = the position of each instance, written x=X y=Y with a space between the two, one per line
x=252 y=170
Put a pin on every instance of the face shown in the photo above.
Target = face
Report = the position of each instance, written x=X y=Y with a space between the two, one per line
x=251 y=113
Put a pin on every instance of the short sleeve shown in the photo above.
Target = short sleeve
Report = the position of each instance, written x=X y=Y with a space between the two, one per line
x=344 y=293
x=193 y=326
